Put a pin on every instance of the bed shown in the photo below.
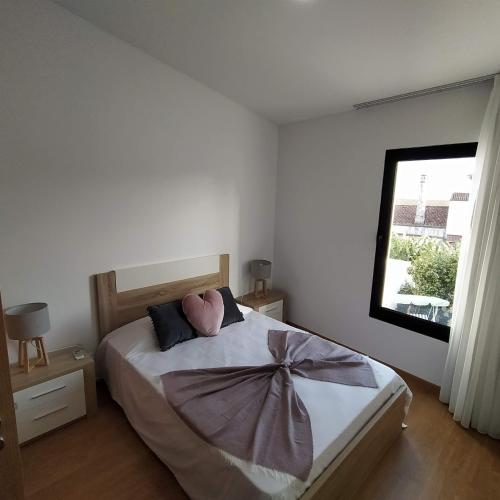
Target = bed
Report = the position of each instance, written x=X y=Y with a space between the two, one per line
x=352 y=426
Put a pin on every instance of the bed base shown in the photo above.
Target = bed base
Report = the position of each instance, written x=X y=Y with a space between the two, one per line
x=347 y=473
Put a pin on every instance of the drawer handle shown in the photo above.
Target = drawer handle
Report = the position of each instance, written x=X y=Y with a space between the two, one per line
x=51 y=412
x=271 y=309
x=36 y=396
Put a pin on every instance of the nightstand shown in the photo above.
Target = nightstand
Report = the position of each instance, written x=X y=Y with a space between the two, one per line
x=272 y=305
x=52 y=396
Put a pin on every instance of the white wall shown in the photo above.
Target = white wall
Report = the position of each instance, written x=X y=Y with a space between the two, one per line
x=109 y=158
x=459 y=217
x=329 y=185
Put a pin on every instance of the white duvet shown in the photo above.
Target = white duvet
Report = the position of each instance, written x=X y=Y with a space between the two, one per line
x=131 y=363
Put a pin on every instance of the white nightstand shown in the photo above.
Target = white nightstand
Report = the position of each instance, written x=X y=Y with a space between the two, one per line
x=52 y=396
x=272 y=305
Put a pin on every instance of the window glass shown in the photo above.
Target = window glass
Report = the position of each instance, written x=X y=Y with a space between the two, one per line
x=431 y=213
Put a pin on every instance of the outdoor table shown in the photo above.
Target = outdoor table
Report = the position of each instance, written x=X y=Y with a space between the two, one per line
x=422 y=300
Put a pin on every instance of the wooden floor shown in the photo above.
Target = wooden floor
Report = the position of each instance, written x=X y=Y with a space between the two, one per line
x=102 y=458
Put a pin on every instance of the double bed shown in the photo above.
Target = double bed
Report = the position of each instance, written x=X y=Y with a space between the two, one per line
x=351 y=426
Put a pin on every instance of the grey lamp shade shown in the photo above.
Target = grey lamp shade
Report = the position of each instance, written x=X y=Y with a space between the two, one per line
x=27 y=321
x=260 y=269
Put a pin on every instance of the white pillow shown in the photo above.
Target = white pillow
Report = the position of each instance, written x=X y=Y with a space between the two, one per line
x=244 y=309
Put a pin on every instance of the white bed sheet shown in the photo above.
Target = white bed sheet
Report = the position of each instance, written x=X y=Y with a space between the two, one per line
x=131 y=363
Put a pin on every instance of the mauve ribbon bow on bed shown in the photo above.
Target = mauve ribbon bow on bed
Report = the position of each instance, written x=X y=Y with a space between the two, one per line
x=253 y=412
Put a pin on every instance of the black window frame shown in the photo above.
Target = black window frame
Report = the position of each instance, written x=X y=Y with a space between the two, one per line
x=392 y=158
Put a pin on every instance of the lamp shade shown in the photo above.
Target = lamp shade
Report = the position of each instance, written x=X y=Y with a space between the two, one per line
x=260 y=269
x=27 y=321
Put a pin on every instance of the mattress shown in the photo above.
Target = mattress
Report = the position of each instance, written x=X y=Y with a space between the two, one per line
x=131 y=364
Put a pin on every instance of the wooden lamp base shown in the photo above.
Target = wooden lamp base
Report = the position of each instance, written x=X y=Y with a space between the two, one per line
x=41 y=354
x=260 y=288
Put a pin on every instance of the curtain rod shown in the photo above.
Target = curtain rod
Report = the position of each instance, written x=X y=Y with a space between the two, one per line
x=430 y=90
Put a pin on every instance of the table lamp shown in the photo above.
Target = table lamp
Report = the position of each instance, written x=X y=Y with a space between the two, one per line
x=260 y=271
x=26 y=323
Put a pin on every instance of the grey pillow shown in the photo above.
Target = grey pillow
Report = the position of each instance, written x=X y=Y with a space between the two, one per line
x=170 y=324
x=231 y=312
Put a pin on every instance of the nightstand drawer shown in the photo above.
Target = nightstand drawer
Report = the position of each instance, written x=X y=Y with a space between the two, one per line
x=273 y=310
x=50 y=393
x=35 y=421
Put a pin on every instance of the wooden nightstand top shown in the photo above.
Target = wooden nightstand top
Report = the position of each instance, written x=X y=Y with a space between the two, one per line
x=61 y=363
x=250 y=300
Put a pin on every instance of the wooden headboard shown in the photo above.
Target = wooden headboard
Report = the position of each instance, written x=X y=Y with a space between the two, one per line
x=124 y=295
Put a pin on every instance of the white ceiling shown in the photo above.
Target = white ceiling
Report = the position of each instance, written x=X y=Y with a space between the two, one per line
x=296 y=59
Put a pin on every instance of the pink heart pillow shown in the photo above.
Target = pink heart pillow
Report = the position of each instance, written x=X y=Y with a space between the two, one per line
x=205 y=314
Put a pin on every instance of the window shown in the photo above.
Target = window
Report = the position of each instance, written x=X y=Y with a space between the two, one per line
x=424 y=212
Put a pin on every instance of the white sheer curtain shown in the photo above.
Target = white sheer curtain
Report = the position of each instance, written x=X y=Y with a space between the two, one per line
x=471 y=381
